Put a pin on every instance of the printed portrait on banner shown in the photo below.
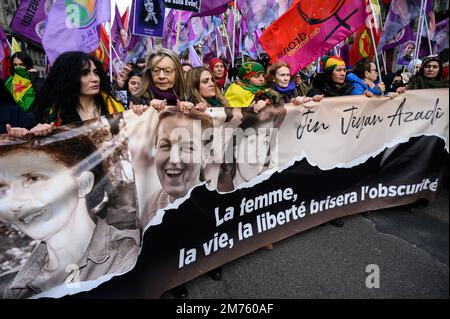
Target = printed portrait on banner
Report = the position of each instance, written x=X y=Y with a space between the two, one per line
x=67 y=209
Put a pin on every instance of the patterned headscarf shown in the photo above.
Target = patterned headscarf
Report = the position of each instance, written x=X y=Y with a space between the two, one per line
x=249 y=69
x=329 y=63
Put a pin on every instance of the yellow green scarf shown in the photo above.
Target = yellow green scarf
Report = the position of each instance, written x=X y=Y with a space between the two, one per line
x=20 y=87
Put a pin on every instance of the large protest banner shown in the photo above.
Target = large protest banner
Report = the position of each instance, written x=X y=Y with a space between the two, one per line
x=212 y=188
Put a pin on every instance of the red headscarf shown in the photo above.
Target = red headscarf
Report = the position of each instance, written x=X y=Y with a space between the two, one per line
x=220 y=82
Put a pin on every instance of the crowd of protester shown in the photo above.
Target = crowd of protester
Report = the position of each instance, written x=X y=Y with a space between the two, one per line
x=78 y=89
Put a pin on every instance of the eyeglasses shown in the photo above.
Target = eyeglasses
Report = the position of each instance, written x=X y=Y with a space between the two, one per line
x=374 y=70
x=431 y=66
x=167 y=71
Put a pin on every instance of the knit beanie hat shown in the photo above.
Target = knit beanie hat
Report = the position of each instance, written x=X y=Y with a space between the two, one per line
x=329 y=63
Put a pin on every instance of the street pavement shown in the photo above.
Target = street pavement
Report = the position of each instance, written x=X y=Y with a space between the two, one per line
x=410 y=250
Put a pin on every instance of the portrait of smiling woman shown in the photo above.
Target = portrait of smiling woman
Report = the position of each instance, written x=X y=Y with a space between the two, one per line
x=178 y=157
x=49 y=189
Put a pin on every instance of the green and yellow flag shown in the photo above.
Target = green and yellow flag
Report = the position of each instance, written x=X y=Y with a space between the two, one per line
x=15 y=46
x=19 y=85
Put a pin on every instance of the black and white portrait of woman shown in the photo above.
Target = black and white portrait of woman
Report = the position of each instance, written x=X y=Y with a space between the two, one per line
x=58 y=191
x=252 y=149
x=150 y=8
x=177 y=156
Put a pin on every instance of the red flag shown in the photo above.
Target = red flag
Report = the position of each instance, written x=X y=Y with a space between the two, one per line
x=126 y=19
x=310 y=28
x=102 y=51
x=6 y=64
x=363 y=45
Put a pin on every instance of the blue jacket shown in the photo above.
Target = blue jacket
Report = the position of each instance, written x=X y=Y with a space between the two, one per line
x=15 y=116
x=360 y=86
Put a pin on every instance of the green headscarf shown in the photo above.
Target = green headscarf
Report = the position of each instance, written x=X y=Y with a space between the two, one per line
x=247 y=71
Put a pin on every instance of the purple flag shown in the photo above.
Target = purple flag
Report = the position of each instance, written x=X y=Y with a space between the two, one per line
x=169 y=25
x=213 y=46
x=3 y=44
x=30 y=17
x=220 y=45
x=259 y=14
x=185 y=35
x=148 y=18
x=119 y=37
x=208 y=48
x=401 y=37
x=400 y=15
x=441 y=36
x=210 y=8
x=194 y=58
x=120 y=41
x=72 y=26
x=137 y=44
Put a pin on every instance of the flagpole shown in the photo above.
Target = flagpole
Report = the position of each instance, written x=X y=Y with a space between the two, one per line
x=383 y=57
x=374 y=45
x=178 y=31
x=217 y=45
x=110 y=52
x=9 y=44
x=228 y=42
x=416 y=49
x=240 y=39
x=120 y=61
x=256 y=46
x=336 y=53
x=234 y=34
x=428 y=31
x=149 y=49
x=383 y=54
x=373 y=37
x=419 y=33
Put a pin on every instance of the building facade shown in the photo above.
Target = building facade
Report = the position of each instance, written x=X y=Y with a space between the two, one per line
x=7 y=10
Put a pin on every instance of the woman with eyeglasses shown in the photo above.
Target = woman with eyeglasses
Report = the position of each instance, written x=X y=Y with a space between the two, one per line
x=364 y=79
x=333 y=82
x=429 y=76
x=163 y=84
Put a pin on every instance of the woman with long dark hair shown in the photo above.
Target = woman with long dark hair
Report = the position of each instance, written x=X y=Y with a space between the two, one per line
x=76 y=89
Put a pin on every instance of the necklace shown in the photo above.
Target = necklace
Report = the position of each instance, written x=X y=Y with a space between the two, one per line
x=88 y=114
